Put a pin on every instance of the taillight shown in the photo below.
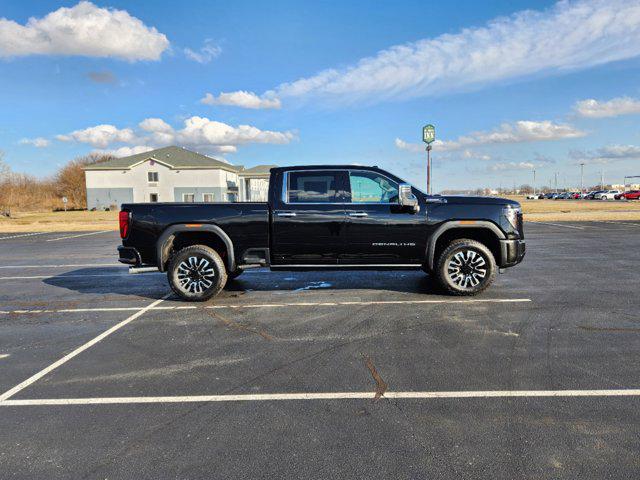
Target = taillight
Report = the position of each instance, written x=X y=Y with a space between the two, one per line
x=124 y=218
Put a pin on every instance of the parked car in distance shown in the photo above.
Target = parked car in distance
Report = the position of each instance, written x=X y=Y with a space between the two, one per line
x=595 y=195
x=531 y=196
x=326 y=218
x=575 y=195
x=609 y=194
x=632 y=195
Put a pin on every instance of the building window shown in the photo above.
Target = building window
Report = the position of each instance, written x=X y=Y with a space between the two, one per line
x=231 y=197
x=153 y=197
x=188 y=197
x=208 y=198
x=153 y=177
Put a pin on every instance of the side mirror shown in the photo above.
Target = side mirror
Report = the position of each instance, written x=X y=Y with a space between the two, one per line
x=406 y=198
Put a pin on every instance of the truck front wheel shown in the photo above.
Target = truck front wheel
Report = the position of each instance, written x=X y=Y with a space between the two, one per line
x=196 y=273
x=465 y=267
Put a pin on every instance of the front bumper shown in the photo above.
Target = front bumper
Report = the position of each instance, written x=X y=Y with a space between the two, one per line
x=129 y=255
x=512 y=252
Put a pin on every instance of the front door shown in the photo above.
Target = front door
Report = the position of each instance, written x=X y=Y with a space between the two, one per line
x=379 y=231
x=309 y=219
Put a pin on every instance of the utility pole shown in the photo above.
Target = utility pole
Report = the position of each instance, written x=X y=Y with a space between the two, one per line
x=534 y=182
x=582 y=178
x=556 y=181
x=602 y=179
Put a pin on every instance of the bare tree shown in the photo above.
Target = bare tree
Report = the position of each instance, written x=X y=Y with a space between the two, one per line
x=70 y=179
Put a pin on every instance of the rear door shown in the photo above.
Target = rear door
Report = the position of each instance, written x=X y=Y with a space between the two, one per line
x=309 y=218
x=379 y=231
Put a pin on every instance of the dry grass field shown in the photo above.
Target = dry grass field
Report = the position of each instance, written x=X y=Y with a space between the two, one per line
x=78 y=221
x=578 y=210
x=540 y=210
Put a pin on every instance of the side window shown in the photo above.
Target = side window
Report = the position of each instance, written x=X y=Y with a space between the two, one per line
x=188 y=197
x=152 y=176
x=313 y=187
x=208 y=198
x=371 y=187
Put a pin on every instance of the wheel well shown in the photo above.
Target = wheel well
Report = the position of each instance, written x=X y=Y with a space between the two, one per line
x=482 y=235
x=186 y=239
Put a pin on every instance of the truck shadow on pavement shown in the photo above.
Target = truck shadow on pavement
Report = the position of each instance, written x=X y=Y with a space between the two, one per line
x=116 y=281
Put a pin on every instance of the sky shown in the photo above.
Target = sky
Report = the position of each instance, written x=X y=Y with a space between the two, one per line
x=511 y=86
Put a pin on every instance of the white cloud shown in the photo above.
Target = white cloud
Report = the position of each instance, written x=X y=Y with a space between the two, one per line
x=519 y=132
x=499 y=167
x=85 y=30
x=126 y=151
x=608 y=154
x=409 y=147
x=207 y=52
x=100 y=136
x=156 y=125
x=571 y=35
x=198 y=133
x=241 y=99
x=592 y=108
x=38 y=142
x=202 y=131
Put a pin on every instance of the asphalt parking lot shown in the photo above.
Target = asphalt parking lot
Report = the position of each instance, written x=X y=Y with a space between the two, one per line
x=322 y=374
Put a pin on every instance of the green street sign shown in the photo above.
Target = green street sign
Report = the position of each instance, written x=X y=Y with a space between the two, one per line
x=428 y=134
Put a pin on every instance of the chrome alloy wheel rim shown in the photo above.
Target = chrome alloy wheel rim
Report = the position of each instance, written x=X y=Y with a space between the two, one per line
x=467 y=268
x=196 y=275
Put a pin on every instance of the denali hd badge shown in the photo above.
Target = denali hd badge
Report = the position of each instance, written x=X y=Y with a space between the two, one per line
x=394 y=244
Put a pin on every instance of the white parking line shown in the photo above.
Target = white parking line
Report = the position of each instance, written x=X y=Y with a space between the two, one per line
x=557 y=225
x=79 y=235
x=77 y=351
x=72 y=275
x=620 y=223
x=269 y=305
x=96 y=265
x=4 y=355
x=23 y=235
x=262 y=397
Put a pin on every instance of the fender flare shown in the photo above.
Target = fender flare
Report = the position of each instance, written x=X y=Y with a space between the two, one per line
x=164 y=243
x=455 y=224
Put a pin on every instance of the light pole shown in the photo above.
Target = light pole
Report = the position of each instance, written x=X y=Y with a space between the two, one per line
x=428 y=136
x=582 y=178
x=556 y=181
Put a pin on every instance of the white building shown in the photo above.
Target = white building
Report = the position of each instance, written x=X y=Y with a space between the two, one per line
x=173 y=174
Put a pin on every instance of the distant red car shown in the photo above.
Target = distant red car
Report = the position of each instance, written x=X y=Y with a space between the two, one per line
x=632 y=195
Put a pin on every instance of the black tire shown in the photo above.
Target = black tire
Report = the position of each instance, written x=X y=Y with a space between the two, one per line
x=196 y=273
x=235 y=274
x=465 y=267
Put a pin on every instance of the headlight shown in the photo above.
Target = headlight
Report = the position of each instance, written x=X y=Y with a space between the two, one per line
x=511 y=214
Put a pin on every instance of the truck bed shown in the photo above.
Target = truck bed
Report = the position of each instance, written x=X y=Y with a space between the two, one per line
x=247 y=223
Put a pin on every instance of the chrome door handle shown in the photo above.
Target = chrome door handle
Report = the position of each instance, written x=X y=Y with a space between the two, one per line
x=286 y=214
x=358 y=214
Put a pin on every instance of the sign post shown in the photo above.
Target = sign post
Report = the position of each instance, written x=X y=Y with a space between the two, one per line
x=65 y=200
x=428 y=137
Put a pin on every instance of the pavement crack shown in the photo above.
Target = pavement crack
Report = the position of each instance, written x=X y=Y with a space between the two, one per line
x=240 y=327
x=381 y=385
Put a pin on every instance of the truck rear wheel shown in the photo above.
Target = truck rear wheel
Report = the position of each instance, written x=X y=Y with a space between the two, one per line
x=196 y=273
x=465 y=267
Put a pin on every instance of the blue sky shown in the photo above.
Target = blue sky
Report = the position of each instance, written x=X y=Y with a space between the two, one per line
x=511 y=86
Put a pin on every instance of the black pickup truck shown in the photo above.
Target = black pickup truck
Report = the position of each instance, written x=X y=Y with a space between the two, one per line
x=326 y=217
